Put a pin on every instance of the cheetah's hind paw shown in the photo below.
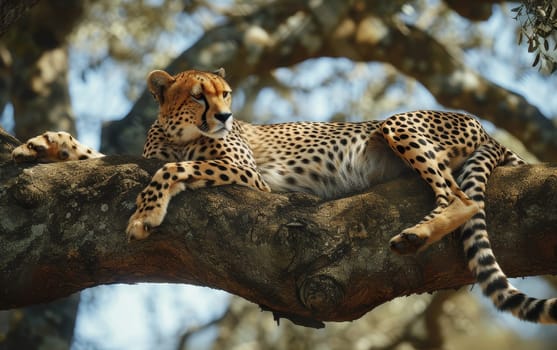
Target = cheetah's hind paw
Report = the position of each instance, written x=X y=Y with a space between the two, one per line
x=407 y=243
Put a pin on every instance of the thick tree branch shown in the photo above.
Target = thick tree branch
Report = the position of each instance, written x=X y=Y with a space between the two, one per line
x=62 y=230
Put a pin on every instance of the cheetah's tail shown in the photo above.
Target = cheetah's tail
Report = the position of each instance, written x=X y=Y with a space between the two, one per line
x=477 y=248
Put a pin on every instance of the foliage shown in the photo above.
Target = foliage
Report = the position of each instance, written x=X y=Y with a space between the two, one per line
x=538 y=25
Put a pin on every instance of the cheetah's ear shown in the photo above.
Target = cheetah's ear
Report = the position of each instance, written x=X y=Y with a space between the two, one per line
x=158 y=81
x=220 y=72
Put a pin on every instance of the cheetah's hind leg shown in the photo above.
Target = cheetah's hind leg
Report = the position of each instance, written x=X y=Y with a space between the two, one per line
x=430 y=159
x=441 y=221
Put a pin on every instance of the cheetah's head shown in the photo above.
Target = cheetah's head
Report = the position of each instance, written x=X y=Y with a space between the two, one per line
x=192 y=103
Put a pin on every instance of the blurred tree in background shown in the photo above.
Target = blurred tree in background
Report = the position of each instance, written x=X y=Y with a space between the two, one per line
x=287 y=60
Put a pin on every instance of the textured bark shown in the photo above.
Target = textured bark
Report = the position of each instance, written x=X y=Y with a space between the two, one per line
x=62 y=230
x=12 y=10
x=359 y=31
x=475 y=10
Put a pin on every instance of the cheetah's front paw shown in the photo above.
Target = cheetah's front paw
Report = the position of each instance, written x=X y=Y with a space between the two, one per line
x=141 y=223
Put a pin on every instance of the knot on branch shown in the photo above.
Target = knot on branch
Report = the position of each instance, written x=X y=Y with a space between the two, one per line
x=320 y=293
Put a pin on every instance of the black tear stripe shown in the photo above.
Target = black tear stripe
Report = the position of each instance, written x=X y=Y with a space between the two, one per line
x=204 y=115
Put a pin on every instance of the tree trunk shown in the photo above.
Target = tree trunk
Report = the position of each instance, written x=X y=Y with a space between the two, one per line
x=43 y=326
x=309 y=260
x=36 y=71
x=12 y=10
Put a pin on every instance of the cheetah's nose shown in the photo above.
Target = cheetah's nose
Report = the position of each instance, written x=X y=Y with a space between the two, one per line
x=223 y=117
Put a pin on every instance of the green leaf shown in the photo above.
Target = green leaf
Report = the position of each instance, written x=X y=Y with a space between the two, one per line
x=531 y=45
x=536 y=60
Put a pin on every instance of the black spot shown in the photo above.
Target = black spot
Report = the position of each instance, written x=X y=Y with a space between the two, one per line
x=497 y=284
x=209 y=171
x=314 y=176
x=475 y=248
x=166 y=176
x=466 y=185
x=486 y=260
x=224 y=177
x=553 y=310
x=534 y=313
x=486 y=274
x=512 y=302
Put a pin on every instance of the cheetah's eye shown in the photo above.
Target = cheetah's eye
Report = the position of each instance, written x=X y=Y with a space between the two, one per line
x=30 y=146
x=197 y=97
x=225 y=94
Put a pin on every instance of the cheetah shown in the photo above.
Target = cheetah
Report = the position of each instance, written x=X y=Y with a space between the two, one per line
x=204 y=146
